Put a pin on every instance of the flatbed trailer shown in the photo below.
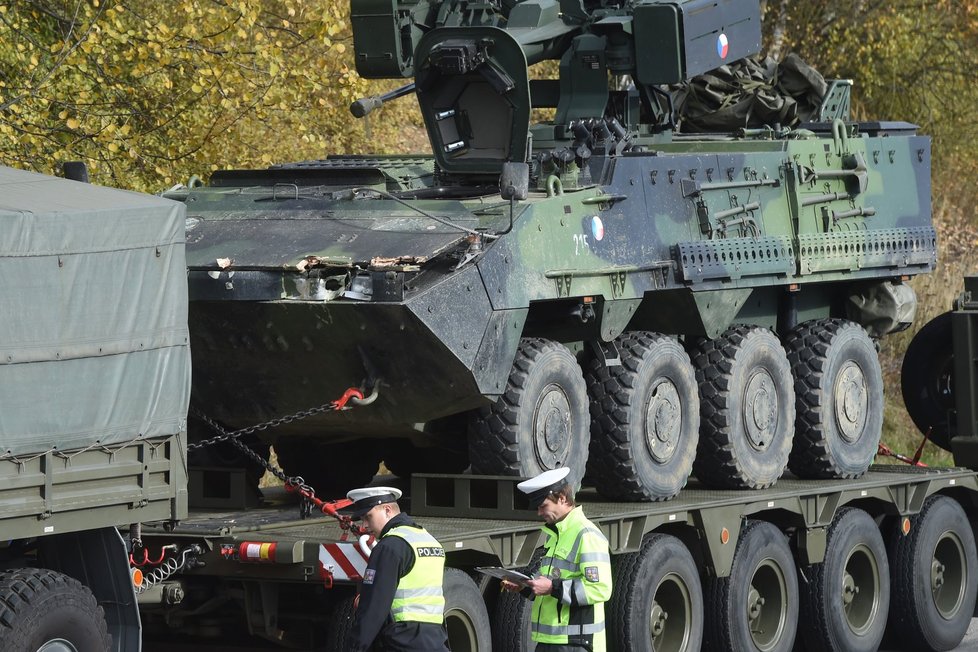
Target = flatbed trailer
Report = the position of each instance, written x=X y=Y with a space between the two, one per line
x=900 y=539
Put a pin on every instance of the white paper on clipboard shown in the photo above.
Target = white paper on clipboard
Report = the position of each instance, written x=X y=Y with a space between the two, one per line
x=513 y=576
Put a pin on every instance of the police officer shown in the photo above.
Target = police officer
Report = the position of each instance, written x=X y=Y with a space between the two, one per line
x=401 y=605
x=575 y=573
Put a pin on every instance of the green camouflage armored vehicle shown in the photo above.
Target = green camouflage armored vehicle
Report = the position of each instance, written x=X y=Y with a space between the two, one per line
x=599 y=291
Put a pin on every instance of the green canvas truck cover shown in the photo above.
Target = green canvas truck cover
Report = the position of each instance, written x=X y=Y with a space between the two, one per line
x=94 y=345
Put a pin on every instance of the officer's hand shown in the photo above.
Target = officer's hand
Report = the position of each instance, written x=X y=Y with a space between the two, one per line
x=512 y=587
x=540 y=585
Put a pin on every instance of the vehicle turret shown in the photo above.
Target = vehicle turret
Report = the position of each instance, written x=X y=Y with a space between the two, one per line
x=470 y=63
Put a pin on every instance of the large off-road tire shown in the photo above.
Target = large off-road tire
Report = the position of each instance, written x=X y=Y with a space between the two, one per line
x=756 y=607
x=927 y=380
x=657 y=604
x=43 y=610
x=540 y=422
x=747 y=409
x=330 y=469
x=933 y=578
x=644 y=419
x=839 y=399
x=466 y=618
x=847 y=597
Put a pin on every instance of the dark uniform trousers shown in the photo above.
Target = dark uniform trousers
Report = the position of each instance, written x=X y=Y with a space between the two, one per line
x=550 y=647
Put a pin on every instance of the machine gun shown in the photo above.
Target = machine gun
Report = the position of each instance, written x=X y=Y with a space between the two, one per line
x=470 y=64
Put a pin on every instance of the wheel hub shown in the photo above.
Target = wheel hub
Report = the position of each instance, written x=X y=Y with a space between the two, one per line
x=936 y=575
x=755 y=604
x=761 y=409
x=552 y=426
x=670 y=619
x=663 y=419
x=948 y=575
x=861 y=589
x=767 y=606
x=851 y=401
x=658 y=620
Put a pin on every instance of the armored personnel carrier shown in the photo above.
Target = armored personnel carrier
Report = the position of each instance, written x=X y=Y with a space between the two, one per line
x=597 y=291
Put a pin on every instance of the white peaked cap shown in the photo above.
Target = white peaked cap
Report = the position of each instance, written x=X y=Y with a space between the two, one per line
x=539 y=487
x=366 y=498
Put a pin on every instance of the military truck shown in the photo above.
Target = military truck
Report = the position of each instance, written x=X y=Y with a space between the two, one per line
x=95 y=385
x=94 y=389
x=600 y=291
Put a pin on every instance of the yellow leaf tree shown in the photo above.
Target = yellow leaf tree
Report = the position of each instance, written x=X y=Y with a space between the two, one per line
x=149 y=92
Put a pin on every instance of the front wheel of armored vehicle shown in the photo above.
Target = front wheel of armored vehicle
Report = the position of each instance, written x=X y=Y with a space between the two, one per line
x=756 y=607
x=839 y=399
x=747 y=409
x=644 y=419
x=657 y=604
x=933 y=571
x=49 y=612
x=847 y=597
x=540 y=422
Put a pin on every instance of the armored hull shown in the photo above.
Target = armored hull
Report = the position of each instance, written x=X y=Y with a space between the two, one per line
x=304 y=284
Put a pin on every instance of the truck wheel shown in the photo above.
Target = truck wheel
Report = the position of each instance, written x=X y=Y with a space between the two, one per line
x=644 y=419
x=44 y=610
x=541 y=420
x=330 y=469
x=926 y=378
x=933 y=572
x=657 y=604
x=839 y=399
x=511 y=624
x=466 y=618
x=747 y=409
x=845 y=606
x=756 y=607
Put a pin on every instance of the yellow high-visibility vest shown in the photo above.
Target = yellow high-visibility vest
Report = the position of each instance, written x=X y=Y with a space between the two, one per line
x=419 y=594
x=577 y=558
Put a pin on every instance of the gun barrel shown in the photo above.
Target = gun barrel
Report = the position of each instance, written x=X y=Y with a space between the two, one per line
x=365 y=105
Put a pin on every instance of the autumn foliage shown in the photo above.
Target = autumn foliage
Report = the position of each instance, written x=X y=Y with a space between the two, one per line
x=148 y=92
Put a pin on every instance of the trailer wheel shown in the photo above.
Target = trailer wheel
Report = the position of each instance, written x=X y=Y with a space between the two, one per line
x=657 y=604
x=747 y=409
x=541 y=420
x=848 y=595
x=330 y=469
x=933 y=572
x=926 y=378
x=44 y=610
x=511 y=623
x=644 y=419
x=756 y=607
x=839 y=399
x=466 y=618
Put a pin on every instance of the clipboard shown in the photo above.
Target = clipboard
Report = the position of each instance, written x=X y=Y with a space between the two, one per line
x=513 y=576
